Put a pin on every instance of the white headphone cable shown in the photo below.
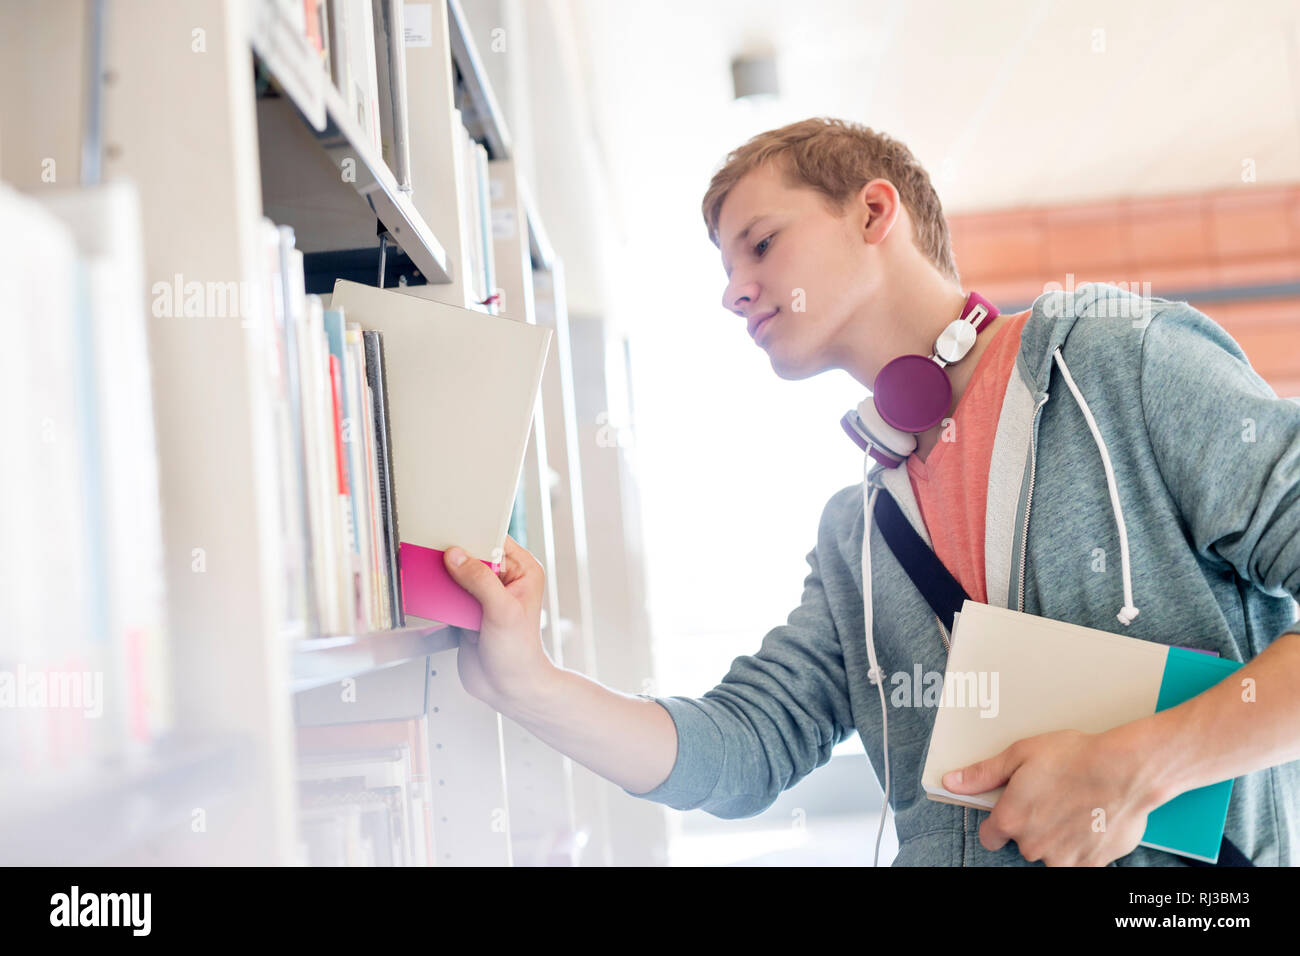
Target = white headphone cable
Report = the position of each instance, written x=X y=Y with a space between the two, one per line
x=874 y=673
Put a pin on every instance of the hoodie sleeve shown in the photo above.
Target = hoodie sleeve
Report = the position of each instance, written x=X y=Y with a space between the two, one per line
x=773 y=719
x=1227 y=447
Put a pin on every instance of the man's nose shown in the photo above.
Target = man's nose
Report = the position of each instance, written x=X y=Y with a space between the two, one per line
x=735 y=296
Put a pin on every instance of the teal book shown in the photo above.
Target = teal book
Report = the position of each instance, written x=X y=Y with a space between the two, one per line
x=1191 y=824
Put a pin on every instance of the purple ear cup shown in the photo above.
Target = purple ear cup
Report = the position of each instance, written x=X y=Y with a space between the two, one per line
x=855 y=428
x=913 y=393
x=873 y=435
x=847 y=423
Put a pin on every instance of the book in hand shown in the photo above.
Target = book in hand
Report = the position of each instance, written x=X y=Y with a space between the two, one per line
x=1012 y=675
x=461 y=387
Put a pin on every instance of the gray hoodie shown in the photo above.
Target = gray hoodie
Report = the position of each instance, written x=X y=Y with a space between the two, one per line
x=1186 y=485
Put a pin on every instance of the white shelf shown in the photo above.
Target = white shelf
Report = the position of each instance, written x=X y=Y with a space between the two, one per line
x=486 y=123
x=539 y=245
x=288 y=57
x=304 y=181
x=327 y=660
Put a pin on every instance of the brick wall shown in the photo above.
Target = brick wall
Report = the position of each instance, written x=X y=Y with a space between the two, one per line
x=1234 y=254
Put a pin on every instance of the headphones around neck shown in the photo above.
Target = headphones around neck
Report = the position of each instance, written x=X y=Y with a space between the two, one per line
x=912 y=393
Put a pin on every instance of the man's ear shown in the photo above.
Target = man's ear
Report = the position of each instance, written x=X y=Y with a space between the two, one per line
x=877 y=207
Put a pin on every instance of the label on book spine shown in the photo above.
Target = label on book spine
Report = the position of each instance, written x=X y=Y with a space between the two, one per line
x=417 y=23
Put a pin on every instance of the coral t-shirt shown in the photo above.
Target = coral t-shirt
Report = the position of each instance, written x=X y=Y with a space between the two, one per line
x=951 y=485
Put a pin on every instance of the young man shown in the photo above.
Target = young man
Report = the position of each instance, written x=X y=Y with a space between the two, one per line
x=1094 y=423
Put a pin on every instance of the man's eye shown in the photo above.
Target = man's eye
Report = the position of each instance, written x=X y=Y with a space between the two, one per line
x=762 y=247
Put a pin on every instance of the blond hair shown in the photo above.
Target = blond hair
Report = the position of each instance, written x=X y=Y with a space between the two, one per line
x=837 y=158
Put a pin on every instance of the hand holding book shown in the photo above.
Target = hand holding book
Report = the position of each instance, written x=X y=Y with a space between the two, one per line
x=1071 y=798
x=1034 y=711
x=504 y=660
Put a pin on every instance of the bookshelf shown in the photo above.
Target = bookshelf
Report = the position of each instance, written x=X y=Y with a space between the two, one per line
x=324 y=661
x=220 y=113
x=332 y=212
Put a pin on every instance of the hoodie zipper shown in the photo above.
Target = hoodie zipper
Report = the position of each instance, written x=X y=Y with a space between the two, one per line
x=1029 y=499
x=943 y=633
x=1024 y=540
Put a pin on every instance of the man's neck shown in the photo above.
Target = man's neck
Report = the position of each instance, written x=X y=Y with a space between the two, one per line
x=960 y=375
x=921 y=302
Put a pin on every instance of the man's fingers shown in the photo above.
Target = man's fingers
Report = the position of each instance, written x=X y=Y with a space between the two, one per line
x=511 y=567
x=520 y=564
x=476 y=578
x=520 y=579
x=992 y=836
x=984 y=775
x=522 y=555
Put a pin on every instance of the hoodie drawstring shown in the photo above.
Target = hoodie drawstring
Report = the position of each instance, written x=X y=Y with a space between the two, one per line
x=1128 y=612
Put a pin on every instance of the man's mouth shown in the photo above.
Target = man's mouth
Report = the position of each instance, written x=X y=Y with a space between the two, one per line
x=763 y=322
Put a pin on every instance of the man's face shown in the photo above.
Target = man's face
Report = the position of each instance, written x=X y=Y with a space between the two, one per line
x=798 y=262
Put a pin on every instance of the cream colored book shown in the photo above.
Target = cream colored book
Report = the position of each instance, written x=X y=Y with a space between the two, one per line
x=462 y=386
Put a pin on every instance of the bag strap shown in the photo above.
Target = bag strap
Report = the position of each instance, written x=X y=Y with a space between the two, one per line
x=945 y=595
x=940 y=589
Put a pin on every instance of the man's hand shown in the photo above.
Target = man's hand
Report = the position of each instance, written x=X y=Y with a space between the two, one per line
x=1071 y=798
x=504 y=660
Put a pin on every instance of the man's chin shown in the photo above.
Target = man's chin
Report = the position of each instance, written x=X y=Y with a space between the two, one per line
x=794 y=370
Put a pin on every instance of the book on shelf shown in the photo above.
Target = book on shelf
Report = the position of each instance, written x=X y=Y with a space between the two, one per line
x=333 y=514
x=349 y=469
x=344 y=768
x=353 y=603
x=340 y=61
x=474 y=266
x=476 y=205
x=274 y=340
x=390 y=54
x=83 y=654
x=376 y=376
x=351 y=28
x=333 y=577
x=369 y=115
x=428 y=84
x=363 y=449
x=316 y=24
x=471 y=268
x=369 y=792
x=387 y=77
x=461 y=390
x=483 y=209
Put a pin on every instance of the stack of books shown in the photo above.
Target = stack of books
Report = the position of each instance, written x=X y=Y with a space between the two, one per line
x=364 y=796
x=476 y=210
x=338 y=506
